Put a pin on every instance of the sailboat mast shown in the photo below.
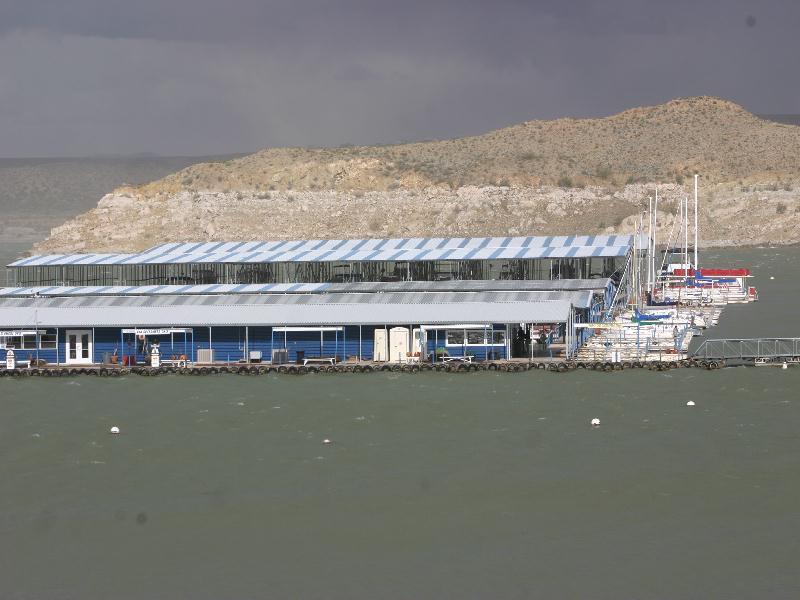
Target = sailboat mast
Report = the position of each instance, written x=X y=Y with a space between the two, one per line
x=696 y=262
x=655 y=235
x=649 y=255
x=686 y=233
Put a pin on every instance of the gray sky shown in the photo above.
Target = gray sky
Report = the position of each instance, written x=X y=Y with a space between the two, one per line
x=84 y=77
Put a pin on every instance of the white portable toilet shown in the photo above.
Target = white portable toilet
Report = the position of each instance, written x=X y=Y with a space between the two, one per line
x=155 y=357
x=11 y=360
x=379 y=349
x=398 y=344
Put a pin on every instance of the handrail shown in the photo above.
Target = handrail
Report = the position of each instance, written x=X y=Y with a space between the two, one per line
x=748 y=348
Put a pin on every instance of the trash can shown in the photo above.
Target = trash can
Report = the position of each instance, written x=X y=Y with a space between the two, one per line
x=301 y=354
x=106 y=358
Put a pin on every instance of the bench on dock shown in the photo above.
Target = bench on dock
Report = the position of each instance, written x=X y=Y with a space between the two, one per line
x=320 y=360
x=448 y=359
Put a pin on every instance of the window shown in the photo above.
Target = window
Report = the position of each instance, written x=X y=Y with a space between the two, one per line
x=455 y=337
x=28 y=342
x=475 y=337
x=47 y=341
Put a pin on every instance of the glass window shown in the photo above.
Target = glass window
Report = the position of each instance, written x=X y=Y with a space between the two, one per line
x=455 y=337
x=14 y=342
x=499 y=337
x=29 y=342
x=47 y=341
x=475 y=336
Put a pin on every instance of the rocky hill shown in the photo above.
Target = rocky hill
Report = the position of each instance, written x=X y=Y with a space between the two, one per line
x=562 y=176
x=37 y=194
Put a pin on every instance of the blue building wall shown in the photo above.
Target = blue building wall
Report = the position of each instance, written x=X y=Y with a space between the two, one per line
x=229 y=344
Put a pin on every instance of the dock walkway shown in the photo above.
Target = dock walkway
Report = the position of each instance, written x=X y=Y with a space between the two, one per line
x=753 y=350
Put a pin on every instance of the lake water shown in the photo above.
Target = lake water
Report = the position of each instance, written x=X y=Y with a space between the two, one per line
x=435 y=486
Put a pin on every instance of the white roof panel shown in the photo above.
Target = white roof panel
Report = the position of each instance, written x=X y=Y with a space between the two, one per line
x=354 y=250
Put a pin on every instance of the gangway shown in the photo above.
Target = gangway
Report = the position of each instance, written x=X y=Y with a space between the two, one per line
x=755 y=350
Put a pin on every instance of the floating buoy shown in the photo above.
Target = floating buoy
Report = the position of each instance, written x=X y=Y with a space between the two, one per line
x=114 y=430
x=326 y=441
x=690 y=403
x=771 y=277
x=595 y=422
x=784 y=366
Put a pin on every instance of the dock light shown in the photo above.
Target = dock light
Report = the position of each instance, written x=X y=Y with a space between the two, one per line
x=595 y=422
x=114 y=430
x=690 y=403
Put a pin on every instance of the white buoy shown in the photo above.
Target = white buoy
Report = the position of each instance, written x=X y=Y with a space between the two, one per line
x=690 y=403
x=784 y=366
x=771 y=277
x=326 y=441
x=595 y=422
x=114 y=430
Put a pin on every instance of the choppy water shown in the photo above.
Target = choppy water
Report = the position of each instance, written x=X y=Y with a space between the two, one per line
x=472 y=486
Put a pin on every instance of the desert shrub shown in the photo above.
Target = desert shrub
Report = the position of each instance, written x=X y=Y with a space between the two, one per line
x=780 y=208
x=603 y=172
x=565 y=181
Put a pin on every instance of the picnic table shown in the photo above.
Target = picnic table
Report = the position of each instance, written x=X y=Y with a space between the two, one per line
x=447 y=359
x=320 y=360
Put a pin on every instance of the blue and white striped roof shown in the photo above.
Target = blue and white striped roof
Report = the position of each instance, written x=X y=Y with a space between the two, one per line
x=400 y=249
x=162 y=290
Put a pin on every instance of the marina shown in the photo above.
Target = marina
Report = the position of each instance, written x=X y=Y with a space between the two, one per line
x=601 y=302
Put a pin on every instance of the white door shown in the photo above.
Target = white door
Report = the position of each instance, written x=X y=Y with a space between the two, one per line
x=398 y=344
x=78 y=347
x=379 y=351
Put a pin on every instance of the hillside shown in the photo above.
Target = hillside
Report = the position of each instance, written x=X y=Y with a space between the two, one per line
x=557 y=176
x=37 y=194
x=660 y=143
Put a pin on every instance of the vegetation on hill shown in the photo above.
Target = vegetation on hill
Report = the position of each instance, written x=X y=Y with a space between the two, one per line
x=666 y=143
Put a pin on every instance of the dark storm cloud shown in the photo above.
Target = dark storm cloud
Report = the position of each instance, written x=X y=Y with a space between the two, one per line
x=203 y=76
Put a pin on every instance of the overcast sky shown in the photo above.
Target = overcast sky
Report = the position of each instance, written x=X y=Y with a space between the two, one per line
x=87 y=77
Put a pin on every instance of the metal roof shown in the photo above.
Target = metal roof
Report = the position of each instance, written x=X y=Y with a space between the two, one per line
x=474 y=285
x=283 y=309
x=304 y=288
x=396 y=249
x=149 y=290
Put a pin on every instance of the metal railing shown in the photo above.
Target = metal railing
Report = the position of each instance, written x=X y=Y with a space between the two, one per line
x=748 y=349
